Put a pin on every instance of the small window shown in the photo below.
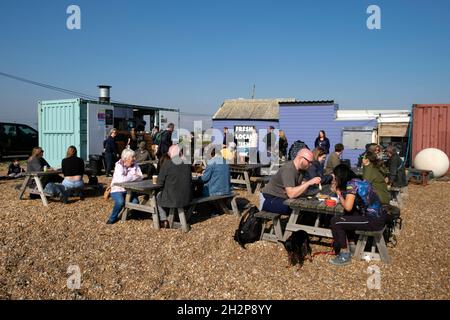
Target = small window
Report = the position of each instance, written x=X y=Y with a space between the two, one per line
x=10 y=130
x=25 y=130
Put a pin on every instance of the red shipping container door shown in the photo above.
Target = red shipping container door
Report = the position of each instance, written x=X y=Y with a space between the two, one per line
x=431 y=127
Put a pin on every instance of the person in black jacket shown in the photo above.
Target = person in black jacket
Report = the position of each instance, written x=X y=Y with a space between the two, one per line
x=110 y=151
x=397 y=173
x=14 y=169
x=322 y=141
x=166 y=140
x=176 y=178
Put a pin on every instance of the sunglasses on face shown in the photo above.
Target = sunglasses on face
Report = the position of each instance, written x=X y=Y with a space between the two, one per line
x=307 y=160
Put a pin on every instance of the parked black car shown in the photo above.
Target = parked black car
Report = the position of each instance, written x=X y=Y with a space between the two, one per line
x=16 y=140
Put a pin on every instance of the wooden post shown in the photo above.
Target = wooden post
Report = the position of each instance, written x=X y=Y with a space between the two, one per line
x=125 y=211
x=24 y=186
x=41 y=190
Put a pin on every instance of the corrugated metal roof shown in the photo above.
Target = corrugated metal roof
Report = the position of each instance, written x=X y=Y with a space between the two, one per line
x=259 y=109
x=255 y=109
x=307 y=102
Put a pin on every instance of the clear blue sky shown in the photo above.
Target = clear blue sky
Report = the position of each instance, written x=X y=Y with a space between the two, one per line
x=193 y=54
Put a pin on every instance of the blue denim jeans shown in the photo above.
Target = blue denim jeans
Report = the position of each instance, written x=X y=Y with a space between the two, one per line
x=69 y=184
x=275 y=205
x=119 y=203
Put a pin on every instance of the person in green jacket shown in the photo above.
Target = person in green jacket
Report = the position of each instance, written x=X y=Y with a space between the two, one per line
x=375 y=173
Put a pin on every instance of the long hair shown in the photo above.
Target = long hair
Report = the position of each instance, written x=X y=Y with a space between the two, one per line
x=372 y=157
x=35 y=152
x=71 y=152
x=317 y=153
x=324 y=134
x=282 y=134
x=343 y=175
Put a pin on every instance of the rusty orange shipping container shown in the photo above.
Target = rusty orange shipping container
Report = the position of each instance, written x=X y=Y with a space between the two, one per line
x=431 y=127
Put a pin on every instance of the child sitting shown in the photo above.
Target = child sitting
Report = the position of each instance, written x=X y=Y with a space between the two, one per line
x=14 y=170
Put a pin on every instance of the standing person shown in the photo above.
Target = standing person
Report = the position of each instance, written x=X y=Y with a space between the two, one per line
x=253 y=147
x=322 y=142
x=287 y=183
x=175 y=178
x=283 y=145
x=126 y=170
x=359 y=197
x=110 y=151
x=166 y=140
x=334 y=159
x=14 y=169
x=375 y=173
x=153 y=135
x=141 y=126
x=227 y=137
x=397 y=174
x=269 y=140
x=133 y=140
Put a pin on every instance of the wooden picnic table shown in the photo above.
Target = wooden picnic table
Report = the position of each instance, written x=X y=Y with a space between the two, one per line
x=37 y=175
x=309 y=205
x=37 y=178
x=153 y=162
x=147 y=205
x=244 y=172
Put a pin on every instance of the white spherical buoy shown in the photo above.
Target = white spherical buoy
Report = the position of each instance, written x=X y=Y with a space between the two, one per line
x=432 y=159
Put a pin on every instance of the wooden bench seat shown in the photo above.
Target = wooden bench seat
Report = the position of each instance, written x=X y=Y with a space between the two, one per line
x=185 y=217
x=378 y=243
x=274 y=234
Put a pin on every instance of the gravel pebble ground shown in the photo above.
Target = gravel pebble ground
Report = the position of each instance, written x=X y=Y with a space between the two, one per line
x=131 y=260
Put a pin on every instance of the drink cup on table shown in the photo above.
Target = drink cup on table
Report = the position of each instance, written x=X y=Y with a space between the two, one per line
x=154 y=179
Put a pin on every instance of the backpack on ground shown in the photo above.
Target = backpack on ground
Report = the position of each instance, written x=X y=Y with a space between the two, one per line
x=250 y=227
x=393 y=224
x=295 y=148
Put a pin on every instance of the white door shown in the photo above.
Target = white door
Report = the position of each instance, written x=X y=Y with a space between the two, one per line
x=100 y=122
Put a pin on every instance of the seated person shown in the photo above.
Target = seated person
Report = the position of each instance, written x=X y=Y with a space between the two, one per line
x=316 y=169
x=287 y=183
x=229 y=153
x=37 y=163
x=360 y=200
x=334 y=159
x=176 y=179
x=375 y=173
x=73 y=170
x=126 y=170
x=216 y=177
x=14 y=169
x=142 y=154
